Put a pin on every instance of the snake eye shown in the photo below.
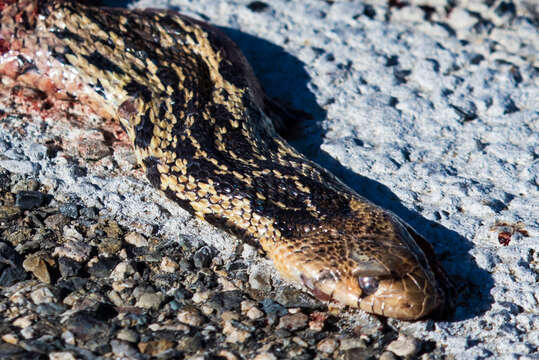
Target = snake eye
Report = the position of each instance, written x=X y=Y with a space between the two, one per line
x=368 y=285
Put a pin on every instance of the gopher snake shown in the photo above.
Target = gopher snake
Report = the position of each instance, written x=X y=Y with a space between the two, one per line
x=202 y=130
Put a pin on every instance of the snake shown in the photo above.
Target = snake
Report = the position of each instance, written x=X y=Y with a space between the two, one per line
x=205 y=134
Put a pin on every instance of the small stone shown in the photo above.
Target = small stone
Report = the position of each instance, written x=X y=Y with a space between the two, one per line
x=190 y=344
x=103 y=267
x=37 y=266
x=56 y=222
x=352 y=343
x=23 y=322
x=91 y=212
x=121 y=271
x=227 y=355
x=168 y=265
x=68 y=337
x=124 y=350
x=69 y=210
x=28 y=332
x=127 y=335
x=257 y=6
x=200 y=296
x=317 y=320
x=233 y=334
x=202 y=257
x=68 y=267
x=404 y=346
x=150 y=300
x=136 y=239
x=190 y=316
x=246 y=305
x=26 y=200
x=254 y=313
x=327 y=345
x=271 y=307
x=265 y=356
x=61 y=355
x=293 y=322
x=73 y=249
x=10 y=338
x=154 y=348
x=8 y=213
x=230 y=315
x=387 y=355
x=260 y=280
x=42 y=296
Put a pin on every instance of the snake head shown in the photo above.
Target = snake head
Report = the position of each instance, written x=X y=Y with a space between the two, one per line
x=382 y=272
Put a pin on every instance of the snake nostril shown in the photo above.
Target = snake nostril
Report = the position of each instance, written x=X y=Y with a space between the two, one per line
x=368 y=285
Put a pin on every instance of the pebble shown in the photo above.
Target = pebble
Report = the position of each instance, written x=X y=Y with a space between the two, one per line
x=265 y=356
x=327 y=345
x=127 y=335
x=233 y=334
x=293 y=322
x=254 y=313
x=69 y=210
x=124 y=350
x=190 y=316
x=168 y=265
x=156 y=347
x=352 y=343
x=150 y=300
x=317 y=320
x=56 y=222
x=42 y=296
x=388 y=355
x=271 y=307
x=121 y=271
x=136 y=239
x=202 y=257
x=8 y=213
x=61 y=355
x=404 y=346
x=37 y=266
x=26 y=200
x=23 y=321
x=73 y=249
x=10 y=338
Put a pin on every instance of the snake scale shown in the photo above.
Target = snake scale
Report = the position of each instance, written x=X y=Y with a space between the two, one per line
x=203 y=131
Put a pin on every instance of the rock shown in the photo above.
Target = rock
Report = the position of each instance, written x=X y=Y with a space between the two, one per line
x=254 y=313
x=23 y=321
x=36 y=265
x=327 y=345
x=405 y=346
x=168 y=265
x=317 y=320
x=37 y=151
x=121 y=271
x=10 y=338
x=387 y=355
x=293 y=322
x=202 y=257
x=61 y=355
x=271 y=307
x=352 y=343
x=233 y=334
x=124 y=350
x=68 y=267
x=150 y=300
x=105 y=267
x=136 y=239
x=42 y=296
x=56 y=222
x=265 y=356
x=73 y=249
x=190 y=316
x=260 y=280
x=127 y=335
x=227 y=300
x=156 y=347
x=69 y=210
x=84 y=326
x=18 y=166
x=8 y=213
x=26 y=200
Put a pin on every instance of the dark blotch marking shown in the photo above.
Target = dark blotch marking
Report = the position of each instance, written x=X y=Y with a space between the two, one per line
x=136 y=89
x=66 y=34
x=152 y=173
x=102 y=63
x=168 y=76
x=144 y=131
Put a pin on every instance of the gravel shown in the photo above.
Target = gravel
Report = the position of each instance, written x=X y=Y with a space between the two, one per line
x=428 y=109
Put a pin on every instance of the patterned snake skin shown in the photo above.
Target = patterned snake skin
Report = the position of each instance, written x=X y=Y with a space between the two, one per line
x=203 y=131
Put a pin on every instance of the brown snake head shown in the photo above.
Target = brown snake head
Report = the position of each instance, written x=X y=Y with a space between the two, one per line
x=372 y=262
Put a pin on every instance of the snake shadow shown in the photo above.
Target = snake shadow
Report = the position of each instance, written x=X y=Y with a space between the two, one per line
x=284 y=77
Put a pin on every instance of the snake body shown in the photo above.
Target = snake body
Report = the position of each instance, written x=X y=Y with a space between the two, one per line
x=203 y=131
